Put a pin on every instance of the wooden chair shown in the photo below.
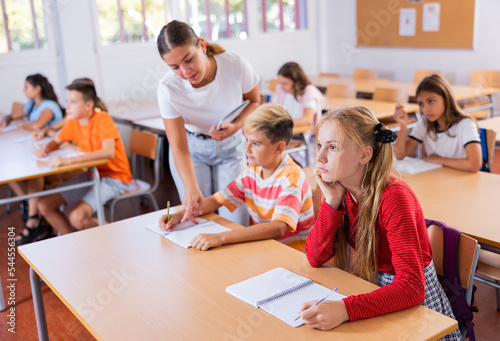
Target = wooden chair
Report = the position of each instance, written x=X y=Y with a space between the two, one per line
x=340 y=90
x=488 y=137
x=364 y=74
x=273 y=83
x=148 y=145
x=328 y=74
x=468 y=254
x=488 y=271
x=482 y=79
x=421 y=74
x=390 y=95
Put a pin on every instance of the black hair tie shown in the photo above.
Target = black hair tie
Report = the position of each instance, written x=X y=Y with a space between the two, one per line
x=384 y=135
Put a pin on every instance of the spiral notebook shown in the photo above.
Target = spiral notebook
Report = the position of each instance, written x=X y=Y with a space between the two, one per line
x=281 y=293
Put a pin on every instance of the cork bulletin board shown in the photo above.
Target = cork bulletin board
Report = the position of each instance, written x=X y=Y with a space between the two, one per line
x=415 y=23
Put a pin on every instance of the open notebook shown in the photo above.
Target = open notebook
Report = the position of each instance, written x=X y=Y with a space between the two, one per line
x=281 y=293
x=233 y=114
x=186 y=231
x=412 y=165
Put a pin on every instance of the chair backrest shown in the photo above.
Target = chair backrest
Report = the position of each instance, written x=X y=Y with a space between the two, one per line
x=421 y=74
x=328 y=74
x=341 y=90
x=273 y=83
x=467 y=254
x=364 y=74
x=485 y=78
x=143 y=143
x=488 y=147
x=390 y=95
x=17 y=106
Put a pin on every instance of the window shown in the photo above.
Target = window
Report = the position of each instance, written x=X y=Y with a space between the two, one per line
x=281 y=15
x=123 y=21
x=22 y=25
x=227 y=18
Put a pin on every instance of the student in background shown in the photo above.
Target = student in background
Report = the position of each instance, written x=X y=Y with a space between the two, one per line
x=448 y=136
x=300 y=98
x=52 y=130
x=375 y=214
x=42 y=109
x=273 y=186
x=97 y=137
x=36 y=228
x=203 y=85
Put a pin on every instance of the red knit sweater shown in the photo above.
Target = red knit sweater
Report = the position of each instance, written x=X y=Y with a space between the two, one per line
x=403 y=249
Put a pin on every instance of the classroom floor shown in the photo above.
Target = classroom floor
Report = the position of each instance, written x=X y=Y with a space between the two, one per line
x=63 y=325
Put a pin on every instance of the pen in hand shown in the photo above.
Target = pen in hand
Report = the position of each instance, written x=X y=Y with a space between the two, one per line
x=168 y=211
x=319 y=302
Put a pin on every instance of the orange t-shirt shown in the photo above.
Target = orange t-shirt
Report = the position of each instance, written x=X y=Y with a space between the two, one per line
x=90 y=137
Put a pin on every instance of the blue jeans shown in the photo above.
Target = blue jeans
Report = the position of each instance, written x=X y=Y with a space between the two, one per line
x=216 y=165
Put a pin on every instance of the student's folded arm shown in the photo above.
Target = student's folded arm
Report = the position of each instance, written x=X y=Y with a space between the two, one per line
x=107 y=152
x=307 y=119
x=45 y=117
x=472 y=163
x=271 y=230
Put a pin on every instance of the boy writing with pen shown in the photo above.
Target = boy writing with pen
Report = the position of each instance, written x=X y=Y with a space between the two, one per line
x=273 y=186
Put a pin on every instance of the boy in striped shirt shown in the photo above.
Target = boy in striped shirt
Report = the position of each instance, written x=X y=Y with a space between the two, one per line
x=273 y=187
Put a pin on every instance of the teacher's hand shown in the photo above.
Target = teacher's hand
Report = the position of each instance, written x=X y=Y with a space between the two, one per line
x=193 y=202
x=226 y=130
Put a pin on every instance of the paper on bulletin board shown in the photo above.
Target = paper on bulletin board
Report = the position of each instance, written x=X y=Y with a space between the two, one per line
x=431 y=17
x=407 y=21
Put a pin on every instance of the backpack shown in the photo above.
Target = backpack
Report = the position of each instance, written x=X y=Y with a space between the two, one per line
x=452 y=286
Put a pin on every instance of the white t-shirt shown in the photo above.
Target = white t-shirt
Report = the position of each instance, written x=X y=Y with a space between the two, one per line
x=202 y=107
x=453 y=146
x=293 y=106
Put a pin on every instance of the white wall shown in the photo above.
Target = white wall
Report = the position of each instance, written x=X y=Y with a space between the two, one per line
x=400 y=63
x=129 y=72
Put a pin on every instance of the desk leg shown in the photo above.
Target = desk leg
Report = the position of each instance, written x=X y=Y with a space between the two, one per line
x=97 y=187
x=2 y=300
x=36 y=290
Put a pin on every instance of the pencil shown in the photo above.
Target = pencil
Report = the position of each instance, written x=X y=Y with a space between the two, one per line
x=168 y=211
x=319 y=302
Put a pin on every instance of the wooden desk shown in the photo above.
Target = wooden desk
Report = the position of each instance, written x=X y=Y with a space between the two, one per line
x=127 y=112
x=461 y=93
x=136 y=285
x=465 y=201
x=19 y=163
x=381 y=109
x=491 y=123
x=152 y=123
x=322 y=82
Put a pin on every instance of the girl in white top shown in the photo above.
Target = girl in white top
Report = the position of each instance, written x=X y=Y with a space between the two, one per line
x=302 y=100
x=449 y=137
x=203 y=86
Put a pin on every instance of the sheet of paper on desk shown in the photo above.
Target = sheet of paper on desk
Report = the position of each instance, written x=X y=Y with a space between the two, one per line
x=412 y=165
x=186 y=231
x=10 y=127
x=29 y=139
x=61 y=152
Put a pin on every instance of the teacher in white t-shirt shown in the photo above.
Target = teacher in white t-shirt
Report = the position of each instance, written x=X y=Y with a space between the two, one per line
x=203 y=85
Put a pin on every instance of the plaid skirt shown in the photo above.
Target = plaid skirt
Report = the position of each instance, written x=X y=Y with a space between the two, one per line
x=435 y=297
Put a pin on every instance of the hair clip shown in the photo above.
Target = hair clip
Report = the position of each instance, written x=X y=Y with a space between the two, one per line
x=384 y=135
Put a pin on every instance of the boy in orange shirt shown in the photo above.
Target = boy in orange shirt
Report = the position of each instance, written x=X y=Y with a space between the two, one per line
x=98 y=138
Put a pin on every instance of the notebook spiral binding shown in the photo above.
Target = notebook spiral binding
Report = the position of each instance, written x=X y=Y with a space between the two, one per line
x=284 y=293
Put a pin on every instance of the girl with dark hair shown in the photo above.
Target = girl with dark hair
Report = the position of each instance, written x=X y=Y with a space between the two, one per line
x=449 y=137
x=203 y=85
x=42 y=109
x=302 y=100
